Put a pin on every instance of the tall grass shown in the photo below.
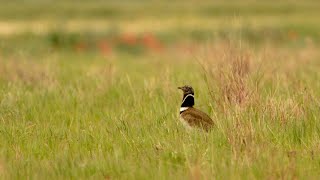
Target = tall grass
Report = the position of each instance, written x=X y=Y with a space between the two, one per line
x=85 y=116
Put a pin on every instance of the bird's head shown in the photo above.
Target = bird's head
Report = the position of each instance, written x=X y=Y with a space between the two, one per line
x=186 y=90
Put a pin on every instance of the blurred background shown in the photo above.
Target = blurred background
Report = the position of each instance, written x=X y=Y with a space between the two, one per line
x=135 y=27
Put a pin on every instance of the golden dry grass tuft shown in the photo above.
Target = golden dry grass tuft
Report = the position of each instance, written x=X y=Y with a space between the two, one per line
x=228 y=73
x=28 y=72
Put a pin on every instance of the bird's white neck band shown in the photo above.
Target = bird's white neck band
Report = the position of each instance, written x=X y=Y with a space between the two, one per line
x=183 y=109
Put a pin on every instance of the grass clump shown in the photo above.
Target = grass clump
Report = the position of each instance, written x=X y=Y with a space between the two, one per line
x=104 y=118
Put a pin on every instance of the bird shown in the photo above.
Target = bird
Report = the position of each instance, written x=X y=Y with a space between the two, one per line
x=191 y=117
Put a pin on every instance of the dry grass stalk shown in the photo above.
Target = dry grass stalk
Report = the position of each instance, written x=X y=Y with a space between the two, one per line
x=195 y=172
x=241 y=138
x=29 y=73
x=227 y=73
x=104 y=76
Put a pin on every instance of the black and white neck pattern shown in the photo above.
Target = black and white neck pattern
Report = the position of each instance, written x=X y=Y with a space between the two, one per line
x=187 y=101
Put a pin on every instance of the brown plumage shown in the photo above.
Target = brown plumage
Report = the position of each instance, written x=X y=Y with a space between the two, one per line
x=190 y=116
x=197 y=118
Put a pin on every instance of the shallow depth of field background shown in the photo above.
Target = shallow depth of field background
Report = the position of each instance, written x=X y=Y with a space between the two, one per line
x=88 y=89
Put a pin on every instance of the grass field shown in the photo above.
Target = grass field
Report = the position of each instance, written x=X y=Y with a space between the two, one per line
x=89 y=90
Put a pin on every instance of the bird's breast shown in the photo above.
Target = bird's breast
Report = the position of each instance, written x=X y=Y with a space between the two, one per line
x=185 y=123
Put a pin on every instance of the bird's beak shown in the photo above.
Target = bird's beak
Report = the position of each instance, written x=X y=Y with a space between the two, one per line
x=180 y=88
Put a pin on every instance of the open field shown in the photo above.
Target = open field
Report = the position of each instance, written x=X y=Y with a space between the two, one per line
x=89 y=91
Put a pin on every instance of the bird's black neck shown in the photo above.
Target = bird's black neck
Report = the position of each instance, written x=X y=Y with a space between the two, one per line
x=188 y=100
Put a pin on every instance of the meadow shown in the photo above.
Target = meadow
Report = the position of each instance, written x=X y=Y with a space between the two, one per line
x=89 y=90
